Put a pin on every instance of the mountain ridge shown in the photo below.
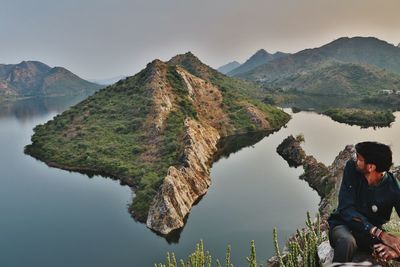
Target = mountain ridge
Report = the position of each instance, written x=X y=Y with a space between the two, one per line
x=371 y=54
x=34 y=78
x=224 y=69
x=259 y=58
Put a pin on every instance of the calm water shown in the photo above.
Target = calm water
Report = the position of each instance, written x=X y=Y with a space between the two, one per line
x=51 y=217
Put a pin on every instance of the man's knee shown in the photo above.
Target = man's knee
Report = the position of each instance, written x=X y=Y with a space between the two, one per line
x=343 y=242
x=347 y=241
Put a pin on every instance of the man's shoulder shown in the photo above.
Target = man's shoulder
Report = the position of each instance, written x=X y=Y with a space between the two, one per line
x=350 y=165
x=394 y=181
x=350 y=173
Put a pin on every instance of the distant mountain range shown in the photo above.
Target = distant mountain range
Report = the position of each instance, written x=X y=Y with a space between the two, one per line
x=33 y=78
x=346 y=65
x=109 y=81
x=259 y=58
x=228 y=67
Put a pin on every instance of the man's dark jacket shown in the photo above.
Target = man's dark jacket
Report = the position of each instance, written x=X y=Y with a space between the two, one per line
x=362 y=206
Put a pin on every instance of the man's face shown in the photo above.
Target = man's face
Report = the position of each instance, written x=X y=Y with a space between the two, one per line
x=361 y=166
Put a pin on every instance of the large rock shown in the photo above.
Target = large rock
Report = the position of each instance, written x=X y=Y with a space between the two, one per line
x=291 y=151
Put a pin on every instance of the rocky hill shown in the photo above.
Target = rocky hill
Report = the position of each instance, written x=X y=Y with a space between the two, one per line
x=228 y=67
x=33 y=78
x=156 y=131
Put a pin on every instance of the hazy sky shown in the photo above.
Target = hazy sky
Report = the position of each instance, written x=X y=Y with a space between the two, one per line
x=98 y=39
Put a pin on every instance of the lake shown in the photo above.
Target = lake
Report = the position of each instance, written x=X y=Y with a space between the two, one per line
x=52 y=217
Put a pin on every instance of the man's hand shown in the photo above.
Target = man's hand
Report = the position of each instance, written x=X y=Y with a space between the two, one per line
x=384 y=252
x=391 y=241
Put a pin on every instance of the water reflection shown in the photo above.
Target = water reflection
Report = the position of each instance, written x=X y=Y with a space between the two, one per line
x=234 y=143
x=88 y=218
x=25 y=109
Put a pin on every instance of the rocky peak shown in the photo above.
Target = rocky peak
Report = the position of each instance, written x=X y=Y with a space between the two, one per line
x=156 y=63
x=33 y=65
x=261 y=53
x=188 y=56
x=192 y=64
x=155 y=66
x=155 y=72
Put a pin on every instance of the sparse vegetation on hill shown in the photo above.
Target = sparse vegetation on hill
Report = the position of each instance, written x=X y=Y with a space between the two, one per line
x=361 y=117
x=134 y=130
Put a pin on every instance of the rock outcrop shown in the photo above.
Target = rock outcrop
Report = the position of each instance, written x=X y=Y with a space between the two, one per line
x=325 y=180
x=184 y=185
x=291 y=151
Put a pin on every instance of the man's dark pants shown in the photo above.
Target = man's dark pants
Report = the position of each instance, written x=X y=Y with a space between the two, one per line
x=346 y=243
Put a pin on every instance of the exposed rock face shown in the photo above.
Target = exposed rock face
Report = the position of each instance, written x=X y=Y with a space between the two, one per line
x=207 y=100
x=258 y=117
x=317 y=175
x=183 y=186
x=325 y=253
x=163 y=96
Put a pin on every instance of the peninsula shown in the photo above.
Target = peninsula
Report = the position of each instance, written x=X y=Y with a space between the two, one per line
x=157 y=132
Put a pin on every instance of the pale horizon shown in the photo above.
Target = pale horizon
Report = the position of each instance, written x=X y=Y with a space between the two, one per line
x=102 y=39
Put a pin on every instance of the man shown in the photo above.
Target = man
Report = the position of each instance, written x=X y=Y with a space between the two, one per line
x=367 y=196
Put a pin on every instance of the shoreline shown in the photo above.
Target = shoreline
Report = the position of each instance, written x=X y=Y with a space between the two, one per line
x=250 y=138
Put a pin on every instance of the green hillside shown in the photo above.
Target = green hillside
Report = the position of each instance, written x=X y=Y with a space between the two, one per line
x=134 y=130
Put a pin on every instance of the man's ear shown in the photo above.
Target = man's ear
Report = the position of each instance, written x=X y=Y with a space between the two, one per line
x=371 y=167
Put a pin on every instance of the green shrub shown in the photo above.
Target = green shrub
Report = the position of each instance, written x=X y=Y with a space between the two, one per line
x=302 y=250
x=201 y=258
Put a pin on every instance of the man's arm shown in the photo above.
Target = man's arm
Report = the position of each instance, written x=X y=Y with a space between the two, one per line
x=397 y=199
x=391 y=240
x=347 y=196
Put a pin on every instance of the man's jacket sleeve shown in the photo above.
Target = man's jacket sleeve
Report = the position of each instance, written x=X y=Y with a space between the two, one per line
x=397 y=199
x=347 y=198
